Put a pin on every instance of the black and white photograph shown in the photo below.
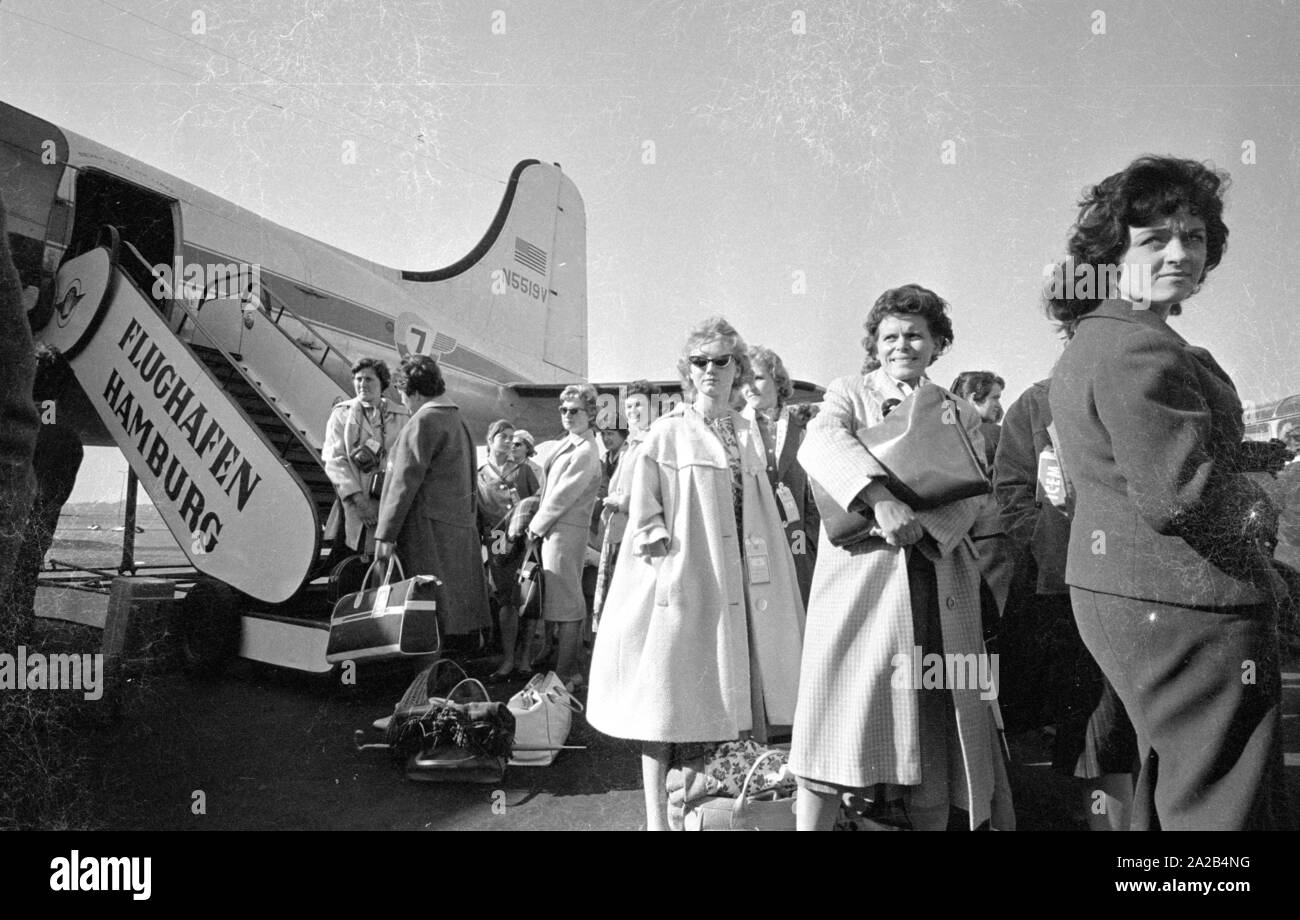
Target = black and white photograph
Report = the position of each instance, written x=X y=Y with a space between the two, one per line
x=566 y=415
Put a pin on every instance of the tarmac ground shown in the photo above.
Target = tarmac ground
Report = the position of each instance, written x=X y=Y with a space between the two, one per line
x=274 y=749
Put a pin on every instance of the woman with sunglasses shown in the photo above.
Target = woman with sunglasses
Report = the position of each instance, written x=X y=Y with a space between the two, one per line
x=880 y=609
x=703 y=623
x=561 y=522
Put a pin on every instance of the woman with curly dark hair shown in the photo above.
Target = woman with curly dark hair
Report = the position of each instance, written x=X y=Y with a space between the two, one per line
x=427 y=511
x=879 y=609
x=1168 y=563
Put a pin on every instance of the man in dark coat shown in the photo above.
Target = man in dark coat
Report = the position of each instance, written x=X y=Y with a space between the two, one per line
x=18 y=419
x=55 y=463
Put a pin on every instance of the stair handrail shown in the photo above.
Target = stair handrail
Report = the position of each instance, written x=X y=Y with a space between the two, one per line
x=281 y=308
x=191 y=314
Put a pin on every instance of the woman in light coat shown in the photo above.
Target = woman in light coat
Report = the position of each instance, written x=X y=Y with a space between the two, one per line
x=367 y=421
x=878 y=608
x=783 y=429
x=618 y=501
x=562 y=521
x=703 y=623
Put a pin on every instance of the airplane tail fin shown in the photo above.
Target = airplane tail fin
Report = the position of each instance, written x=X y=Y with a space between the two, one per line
x=521 y=293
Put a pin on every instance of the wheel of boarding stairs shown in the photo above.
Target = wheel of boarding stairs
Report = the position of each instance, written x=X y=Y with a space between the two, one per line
x=209 y=627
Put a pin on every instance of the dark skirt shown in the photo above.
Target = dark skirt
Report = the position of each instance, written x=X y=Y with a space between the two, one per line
x=1204 y=690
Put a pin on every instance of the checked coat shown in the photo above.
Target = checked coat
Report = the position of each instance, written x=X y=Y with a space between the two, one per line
x=853 y=727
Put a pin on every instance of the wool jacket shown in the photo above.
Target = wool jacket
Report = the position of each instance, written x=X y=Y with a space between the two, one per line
x=1150 y=430
x=428 y=510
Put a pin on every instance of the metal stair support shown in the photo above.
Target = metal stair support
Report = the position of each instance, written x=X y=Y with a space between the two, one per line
x=283 y=438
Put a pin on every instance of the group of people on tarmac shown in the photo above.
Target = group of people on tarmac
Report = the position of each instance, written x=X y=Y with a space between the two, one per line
x=1123 y=564
x=1122 y=568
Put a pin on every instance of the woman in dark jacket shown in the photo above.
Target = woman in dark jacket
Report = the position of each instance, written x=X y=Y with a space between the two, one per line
x=1168 y=567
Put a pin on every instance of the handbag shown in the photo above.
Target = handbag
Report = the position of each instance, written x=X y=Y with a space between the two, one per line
x=461 y=736
x=375 y=484
x=531 y=583
x=771 y=809
x=389 y=620
x=543 y=713
x=929 y=461
x=346 y=577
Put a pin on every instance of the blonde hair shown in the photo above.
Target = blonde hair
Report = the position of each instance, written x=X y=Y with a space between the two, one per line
x=761 y=356
x=713 y=329
x=583 y=393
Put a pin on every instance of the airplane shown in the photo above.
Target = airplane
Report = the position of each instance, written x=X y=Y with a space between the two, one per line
x=1276 y=418
x=210 y=345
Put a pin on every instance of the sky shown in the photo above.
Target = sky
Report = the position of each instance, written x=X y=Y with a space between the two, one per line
x=780 y=163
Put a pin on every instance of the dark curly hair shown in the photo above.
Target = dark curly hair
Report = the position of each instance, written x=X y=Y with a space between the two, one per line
x=420 y=374
x=976 y=385
x=1146 y=191
x=908 y=300
x=379 y=367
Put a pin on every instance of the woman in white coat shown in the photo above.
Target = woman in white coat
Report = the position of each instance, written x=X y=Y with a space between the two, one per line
x=572 y=480
x=879 y=609
x=703 y=623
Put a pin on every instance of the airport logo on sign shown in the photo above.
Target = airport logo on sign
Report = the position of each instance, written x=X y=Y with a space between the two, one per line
x=68 y=305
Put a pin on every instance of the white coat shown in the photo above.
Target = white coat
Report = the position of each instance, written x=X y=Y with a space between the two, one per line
x=672 y=658
x=562 y=519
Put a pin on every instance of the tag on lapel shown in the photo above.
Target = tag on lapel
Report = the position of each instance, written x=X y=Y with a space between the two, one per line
x=787 y=502
x=756 y=556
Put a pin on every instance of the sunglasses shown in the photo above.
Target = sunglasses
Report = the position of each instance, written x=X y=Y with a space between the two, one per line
x=566 y=411
x=703 y=361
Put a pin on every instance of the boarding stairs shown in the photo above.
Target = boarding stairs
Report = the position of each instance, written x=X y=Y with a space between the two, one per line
x=241 y=486
x=282 y=373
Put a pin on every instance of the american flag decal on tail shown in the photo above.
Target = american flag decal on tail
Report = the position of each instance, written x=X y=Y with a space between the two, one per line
x=530 y=256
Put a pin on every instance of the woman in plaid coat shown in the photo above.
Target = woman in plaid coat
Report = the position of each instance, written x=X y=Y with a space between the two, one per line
x=878 y=608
